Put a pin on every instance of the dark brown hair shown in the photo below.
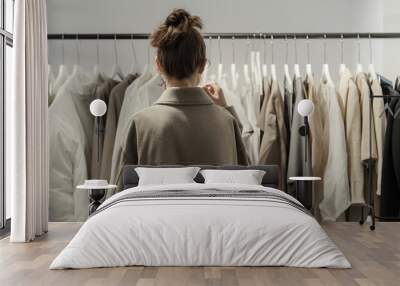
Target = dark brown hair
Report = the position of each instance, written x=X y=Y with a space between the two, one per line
x=180 y=46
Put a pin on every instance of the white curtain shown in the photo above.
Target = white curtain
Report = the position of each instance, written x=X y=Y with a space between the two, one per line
x=26 y=124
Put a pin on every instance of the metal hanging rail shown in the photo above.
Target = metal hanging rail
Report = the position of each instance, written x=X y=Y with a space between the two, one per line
x=143 y=36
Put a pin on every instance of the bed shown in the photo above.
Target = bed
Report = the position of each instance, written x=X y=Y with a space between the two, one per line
x=198 y=224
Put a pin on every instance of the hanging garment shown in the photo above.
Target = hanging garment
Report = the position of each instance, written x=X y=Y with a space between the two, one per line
x=102 y=92
x=317 y=122
x=367 y=125
x=251 y=102
x=267 y=83
x=318 y=145
x=236 y=108
x=183 y=127
x=351 y=111
x=113 y=110
x=130 y=94
x=336 y=182
x=70 y=140
x=273 y=150
x=297 y=163
x=288 y=100
x=125 y=113
x=390 y=191
x=380 y=128
x=51 y=79
x=144 y=97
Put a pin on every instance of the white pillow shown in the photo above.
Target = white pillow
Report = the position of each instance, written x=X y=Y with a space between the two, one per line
x=165 y=176
x=248 y=177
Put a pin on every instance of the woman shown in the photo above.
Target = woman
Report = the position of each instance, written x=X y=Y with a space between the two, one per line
x=187 y=124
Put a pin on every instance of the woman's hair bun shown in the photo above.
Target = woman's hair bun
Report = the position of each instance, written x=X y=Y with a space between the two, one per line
x=182 y=20
x=181 y=50
x=177 y=24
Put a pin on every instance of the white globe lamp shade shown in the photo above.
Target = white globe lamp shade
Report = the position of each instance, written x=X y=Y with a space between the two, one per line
x=98 y=107
x=305 y=107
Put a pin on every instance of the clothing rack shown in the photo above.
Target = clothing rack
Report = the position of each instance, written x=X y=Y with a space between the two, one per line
x=144 y=36
x=271 y=36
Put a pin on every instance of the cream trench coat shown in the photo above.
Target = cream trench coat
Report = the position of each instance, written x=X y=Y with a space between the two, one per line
x=335 y=180
x=351 y=111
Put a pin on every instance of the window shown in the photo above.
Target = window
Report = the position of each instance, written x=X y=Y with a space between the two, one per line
x=6 y=43
x=9 y=15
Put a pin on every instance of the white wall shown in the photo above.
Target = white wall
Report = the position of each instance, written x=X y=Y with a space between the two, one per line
x=390 y=51
x=127 y=16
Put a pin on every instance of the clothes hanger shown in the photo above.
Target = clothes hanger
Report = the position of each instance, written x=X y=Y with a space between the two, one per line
x=371 y=67
x=146 y=68
x=296 y=65
x=253 y=70
x=96 y=69
x=51 y=79
x=116 y=70
x=246 y=73
x=256 y=65
x=264 y=65
x=234 y=74
x=286 y=66
x=387 y=108
x=207 y=69
x=325 y=67
x=309 y=72
x=342 y=66
x=76 y=67
x=359 y=68
x=258 y=74
x=273 y=67
x=220 y=65
x=63 y=71
x=134 y=58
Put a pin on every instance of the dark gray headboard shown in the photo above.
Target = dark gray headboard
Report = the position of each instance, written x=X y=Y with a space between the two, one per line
x=271 y=177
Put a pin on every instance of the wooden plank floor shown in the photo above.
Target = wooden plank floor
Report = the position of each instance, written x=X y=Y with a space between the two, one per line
x=375 y=257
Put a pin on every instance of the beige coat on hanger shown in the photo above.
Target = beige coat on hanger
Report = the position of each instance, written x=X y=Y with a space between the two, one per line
x=336 y=182
x=273 y=149
x=364 y=90
x=351 y=110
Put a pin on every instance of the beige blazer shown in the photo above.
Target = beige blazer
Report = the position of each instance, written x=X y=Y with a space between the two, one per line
x=349 y=99
x=183 y=127
x=113 y=109
x=364 y=90
x=273 y=148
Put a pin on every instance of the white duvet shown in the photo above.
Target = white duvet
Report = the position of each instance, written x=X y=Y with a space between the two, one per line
x=200 y=231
